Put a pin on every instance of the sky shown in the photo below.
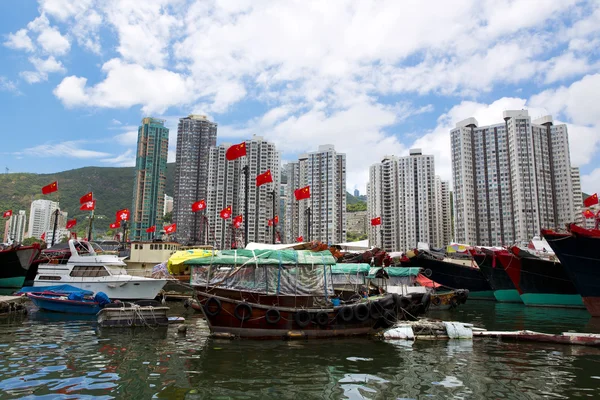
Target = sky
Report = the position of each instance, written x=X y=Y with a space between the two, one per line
x=373 y=78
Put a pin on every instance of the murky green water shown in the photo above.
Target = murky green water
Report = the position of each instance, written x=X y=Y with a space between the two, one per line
x=51 y=356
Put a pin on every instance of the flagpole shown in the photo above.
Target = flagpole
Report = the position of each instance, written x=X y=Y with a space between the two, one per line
x=273 y=193
x=90 y=226
x=55 y=225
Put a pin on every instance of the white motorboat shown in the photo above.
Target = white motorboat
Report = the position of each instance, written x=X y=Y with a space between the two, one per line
x=86 y=269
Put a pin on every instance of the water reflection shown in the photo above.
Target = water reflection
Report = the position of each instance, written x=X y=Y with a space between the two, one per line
x=58 y=356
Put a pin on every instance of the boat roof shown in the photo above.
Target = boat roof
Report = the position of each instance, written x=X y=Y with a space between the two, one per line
x=265 y=257
x=395 y=271
x=360 y=268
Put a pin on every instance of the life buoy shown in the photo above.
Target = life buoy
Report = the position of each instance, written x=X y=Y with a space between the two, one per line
x=436 y=301
x=346 y=314
x=242 y=311
x=322 y=318
x=302 y=318
x=361 y=312
x=272 y=316
x=212 y=307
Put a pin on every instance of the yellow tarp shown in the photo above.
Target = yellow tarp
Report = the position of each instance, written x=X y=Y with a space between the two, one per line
x=175 y=262
x=457 y=248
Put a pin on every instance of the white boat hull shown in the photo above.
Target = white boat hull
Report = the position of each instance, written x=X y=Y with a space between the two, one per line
x=135 y=288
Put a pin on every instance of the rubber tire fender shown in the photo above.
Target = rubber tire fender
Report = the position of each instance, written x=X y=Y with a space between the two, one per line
x=246 y=309
x=436 y=301
x=322 y=318
x=346 y=314
x=405 y=302
x=302 y=318
x=272 y=316
x=361 y=312
x=376 y=309
x=426 y=301
x=212 y=301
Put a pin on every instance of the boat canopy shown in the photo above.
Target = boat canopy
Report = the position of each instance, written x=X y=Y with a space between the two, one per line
x=57 y=289
x=265 y=257
x=350 y=269
x=398 y=272
x=278 y=272
x=175 y=262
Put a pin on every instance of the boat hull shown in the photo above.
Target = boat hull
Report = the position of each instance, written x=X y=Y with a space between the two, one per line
x=546 y=284
x=14 y=265
x=441 y=301
x=581 y=260
x=224 y=319
x=503 y=288
x=133 y=316
x=132 y=289
x=64 y=306
x=456 y=276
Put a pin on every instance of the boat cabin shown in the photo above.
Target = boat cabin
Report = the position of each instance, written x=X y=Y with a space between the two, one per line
x=144 y=256
x=399 y=280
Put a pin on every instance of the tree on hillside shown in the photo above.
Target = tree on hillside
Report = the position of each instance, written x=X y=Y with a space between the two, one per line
x=168 y=217
x=31 y=240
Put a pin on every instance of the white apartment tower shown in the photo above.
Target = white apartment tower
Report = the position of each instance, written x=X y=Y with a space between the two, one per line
x=41 y=217
x=411 y=200
x=16 y=224
x=510 y=179
x=226 y=187
x=577 y=196
x=324 y=171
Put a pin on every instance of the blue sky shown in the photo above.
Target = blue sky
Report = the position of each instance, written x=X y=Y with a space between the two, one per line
x=372 y=78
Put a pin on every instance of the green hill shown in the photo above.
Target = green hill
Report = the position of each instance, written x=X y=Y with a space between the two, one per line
x=112 y=187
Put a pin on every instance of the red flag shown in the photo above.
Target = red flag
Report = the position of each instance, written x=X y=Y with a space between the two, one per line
x=270 y=222
x=123 y=215
x=263 y=178
x=236 y=151
x=71 y=223
x=237 y=221
x=53 y=187
x=276 y=219
x=43 y=237
x=89 y=206
x=376 y=221
x=226 y=212
x=115 y=225
x=151 y=229
x=302 y=193
x=86 y=197
x=588 y=214
x=199 y=205
x=300 y=239
x=591 y=200
x=171 y=228
x=7 y=214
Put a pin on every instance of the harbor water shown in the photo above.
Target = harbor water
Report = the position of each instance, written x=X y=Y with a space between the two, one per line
x=45 y=355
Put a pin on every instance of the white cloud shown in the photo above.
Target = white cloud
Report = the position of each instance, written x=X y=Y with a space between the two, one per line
x=127 y=85
x=63 y=9
x=20 y=41
x=68 y=149
x=7 y=85
x=43 y=68
x=127 y=138
x=590 y=182
x=567 y=66
x=126 y=159
x=49 y=37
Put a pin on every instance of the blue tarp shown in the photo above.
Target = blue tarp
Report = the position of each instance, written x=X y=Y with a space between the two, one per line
x=57 y=288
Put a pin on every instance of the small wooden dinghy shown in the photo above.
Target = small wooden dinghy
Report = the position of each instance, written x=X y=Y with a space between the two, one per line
x=142 y=314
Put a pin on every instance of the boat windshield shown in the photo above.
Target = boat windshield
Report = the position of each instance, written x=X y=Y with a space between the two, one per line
x=269 y=279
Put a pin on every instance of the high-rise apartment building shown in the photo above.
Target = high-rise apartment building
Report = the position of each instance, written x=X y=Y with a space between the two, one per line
x=324 y=171
x=510 y=179
x=41 y=217
x=168 y=204
x=226 y=187
x=150 y=177
x=411 y=200
x=195 y=136
x=15 y=227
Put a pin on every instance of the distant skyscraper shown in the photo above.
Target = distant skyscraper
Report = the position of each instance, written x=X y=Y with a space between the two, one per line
x=195 y=136
x=41 y=217
x=168 y=204
x=15 y=228
x=325 y=172
x=226 y=184
x=410 y=199
x=150 y=177
x=510 y=179
x=356 y=193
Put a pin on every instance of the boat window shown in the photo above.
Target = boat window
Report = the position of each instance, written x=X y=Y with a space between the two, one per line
x=136 y=246
x=49 y=278
x=91 y=271
x=160 y=246
x=151 y=247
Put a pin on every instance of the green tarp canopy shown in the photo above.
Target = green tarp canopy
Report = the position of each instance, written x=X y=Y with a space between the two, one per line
x=395 y=271
x=350 y=269
x=266 y=257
